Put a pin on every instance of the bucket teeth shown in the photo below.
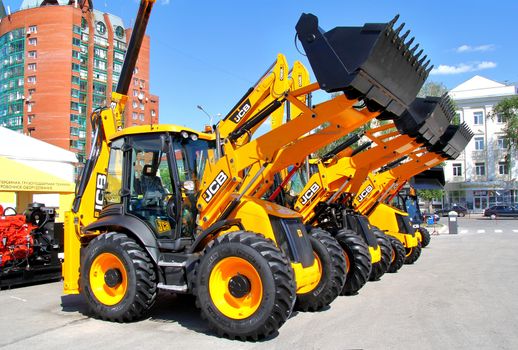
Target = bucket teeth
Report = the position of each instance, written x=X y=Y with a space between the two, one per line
x=426 y=119
x=404 y=36
x=371 y=62
x=454 y=140
x=393 y=21
x=429 y=69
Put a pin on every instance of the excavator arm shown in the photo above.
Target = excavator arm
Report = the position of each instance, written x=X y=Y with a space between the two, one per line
x=106 y=121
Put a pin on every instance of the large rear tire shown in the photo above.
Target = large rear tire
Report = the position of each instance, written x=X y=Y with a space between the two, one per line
x=244 y=286
x=426 y=237
x=333 y=268
x=412 y=254
x=397 y=256
x=379 y=268
x=358 y=261
x=118 y=278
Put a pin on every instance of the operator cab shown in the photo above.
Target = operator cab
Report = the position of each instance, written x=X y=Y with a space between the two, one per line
x=155 y=177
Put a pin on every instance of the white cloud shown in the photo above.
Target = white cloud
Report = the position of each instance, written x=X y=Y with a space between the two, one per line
x=444 y=69
x=480 y=48
x=165 y=2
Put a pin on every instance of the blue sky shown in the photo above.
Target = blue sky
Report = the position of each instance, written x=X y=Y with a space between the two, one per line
x=210 y=52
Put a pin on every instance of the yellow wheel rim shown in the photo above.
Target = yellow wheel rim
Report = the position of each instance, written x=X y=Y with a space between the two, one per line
x=103 y=292
x=409 y=252
x=312 y=286
x=230 y=305
x=392 y=254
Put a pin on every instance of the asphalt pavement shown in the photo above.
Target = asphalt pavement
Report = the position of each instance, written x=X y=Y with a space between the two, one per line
x=460 y=294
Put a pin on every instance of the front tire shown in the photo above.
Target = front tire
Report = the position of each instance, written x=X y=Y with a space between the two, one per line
x=332 y=265
x=118 y=279
x=379 y=268
x=412 y=254
x=426 y=237
x=244 y=286
x=398 y=255
x=358 y=261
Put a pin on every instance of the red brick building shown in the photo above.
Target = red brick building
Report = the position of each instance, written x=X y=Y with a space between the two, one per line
x=61 y=59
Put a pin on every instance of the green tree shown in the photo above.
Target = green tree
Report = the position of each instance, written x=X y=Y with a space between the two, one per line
x=508 y=109
x=429 y=195
x=432 y=88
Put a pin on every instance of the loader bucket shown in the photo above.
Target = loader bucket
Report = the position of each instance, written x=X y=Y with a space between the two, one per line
x=371 y=62
x=453 y=142
x=426 y=119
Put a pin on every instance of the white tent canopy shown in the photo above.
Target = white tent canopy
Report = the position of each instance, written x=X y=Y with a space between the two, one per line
x=37 y=154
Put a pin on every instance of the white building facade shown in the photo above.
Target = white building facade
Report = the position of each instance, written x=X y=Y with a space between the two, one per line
x=481 y=176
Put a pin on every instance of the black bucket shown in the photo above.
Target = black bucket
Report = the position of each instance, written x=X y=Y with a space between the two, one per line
x=427 y=119
x=371 y=62
x=453 y=142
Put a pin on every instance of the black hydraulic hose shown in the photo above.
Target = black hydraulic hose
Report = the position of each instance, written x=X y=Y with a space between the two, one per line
x=254 y=121
x=361 y=148
x=345 y=144
x=393 y=164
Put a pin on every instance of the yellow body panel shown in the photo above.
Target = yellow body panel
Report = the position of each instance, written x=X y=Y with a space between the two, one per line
x=384 y=217
x=254 y=215
x=375 y=254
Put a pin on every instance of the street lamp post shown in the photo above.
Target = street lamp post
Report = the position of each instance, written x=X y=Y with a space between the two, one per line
x=204 y=111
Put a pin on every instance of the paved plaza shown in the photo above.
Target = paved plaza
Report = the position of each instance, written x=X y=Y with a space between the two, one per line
x=461 y=294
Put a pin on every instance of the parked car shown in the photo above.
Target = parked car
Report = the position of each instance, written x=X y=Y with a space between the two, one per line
x=501 y=210
x=461 y=211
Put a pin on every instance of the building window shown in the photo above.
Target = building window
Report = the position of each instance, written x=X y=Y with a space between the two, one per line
x=31 y=91
x=100 y=64
x=100 y=76
x=117 y=67
x=76 y=42
x=76 y=29
x=100 y=27
x=75 y=93
x=480 y=169
x=135 y=71
x=500 y=118
x=76 y=54
x=33 y=41
x=30 y=106
x=75 y=106
x=101 y=53
x=134 y=116
x=503 y=169
x=479 y=143
x=32 y=29
x=135 y=93
x=141 y=116
x=30 y=118
x=478 y=118
x=501 y=141
x=31 y=79
x=135 y=104
x=118 y=56
x=32 y=54
x=75 y=67
x=153 y=114
x=457 y=169
x=31 y=66
x=100 y=41
x=119 y=31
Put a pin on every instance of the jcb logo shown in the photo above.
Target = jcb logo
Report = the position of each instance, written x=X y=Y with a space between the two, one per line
x=100 y=185
x=365 y=193
x=241 y=111
x=214 y=186
x=309 y=193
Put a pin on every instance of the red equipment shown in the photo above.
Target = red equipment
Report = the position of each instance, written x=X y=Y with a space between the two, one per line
x=16 y=240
